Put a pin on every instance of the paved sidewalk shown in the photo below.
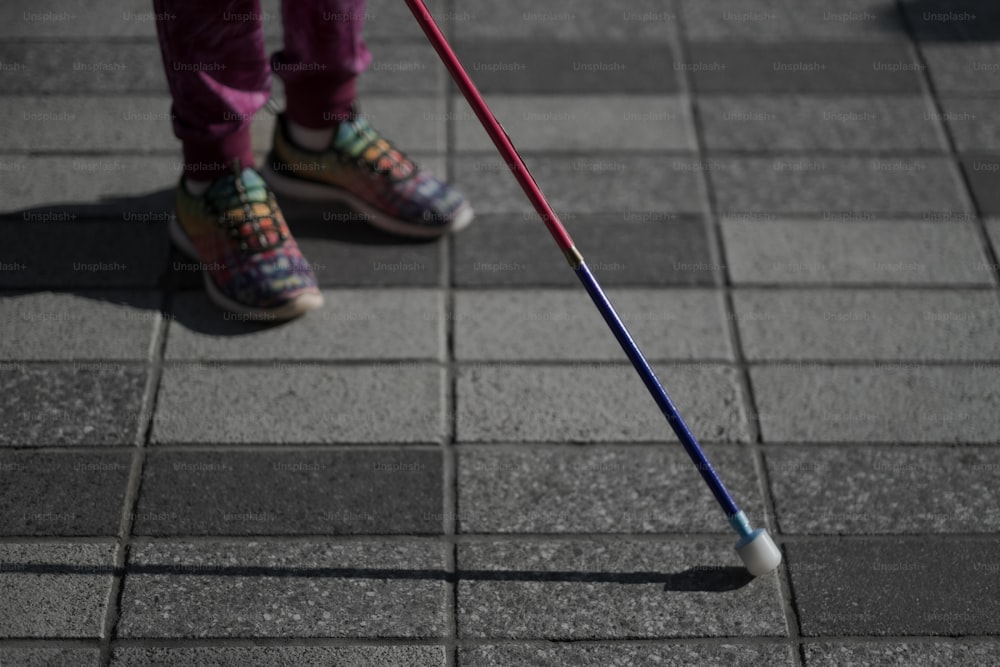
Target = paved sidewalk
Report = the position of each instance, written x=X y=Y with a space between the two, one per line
x=796 y=209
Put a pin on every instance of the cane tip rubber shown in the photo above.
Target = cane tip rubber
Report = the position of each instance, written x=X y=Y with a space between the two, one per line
x=759 y=553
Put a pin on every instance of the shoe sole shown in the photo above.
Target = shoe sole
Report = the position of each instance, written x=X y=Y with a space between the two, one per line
x=286 y=311
x=320 y=192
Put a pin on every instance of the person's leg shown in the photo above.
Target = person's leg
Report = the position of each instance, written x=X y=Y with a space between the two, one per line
x=217 y=70
x=324 y=151
x=323 y=54
x=227 y=217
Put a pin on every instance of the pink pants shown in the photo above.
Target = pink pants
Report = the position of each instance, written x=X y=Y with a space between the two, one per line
x=220 y=76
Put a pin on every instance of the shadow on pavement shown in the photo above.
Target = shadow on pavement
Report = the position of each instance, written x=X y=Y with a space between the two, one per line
x=951 y=20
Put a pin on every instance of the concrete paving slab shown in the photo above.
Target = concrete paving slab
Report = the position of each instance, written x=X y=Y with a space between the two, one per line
x=791 y=20
x=52 y=589
x=865 y=587
x=80 y=326
x=594 y=403
x=633 y=248
x=280 y=656
x=48 y=249
x=582 y=122
x=928 y=325
x=529 y=66
x=586 y=183
x=835 y=186
x=640 y=655
x=317 y=403
x=297 y=589
x=353 y=324
x=618 y=590
x=71 y=404
x=959 y=67
x=803 y=67
x=871 y=252
x=908 y=490
x=819 y=122
x=638 y=489
x=62 y=493
x=290 y=492
x=539 y=324
x=892 y=403
x=828 y=654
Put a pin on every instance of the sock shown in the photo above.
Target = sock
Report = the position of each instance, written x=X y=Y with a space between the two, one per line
x=312 y=139
x=196 y=188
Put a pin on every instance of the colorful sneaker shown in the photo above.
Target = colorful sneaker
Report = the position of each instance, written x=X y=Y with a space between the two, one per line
x=365 y=171
x=250 y=262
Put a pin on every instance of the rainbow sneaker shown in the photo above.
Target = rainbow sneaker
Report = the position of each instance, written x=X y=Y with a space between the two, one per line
x=365 y=171
x=249 y=260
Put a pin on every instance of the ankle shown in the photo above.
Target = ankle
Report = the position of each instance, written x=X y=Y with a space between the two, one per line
x=309 y=138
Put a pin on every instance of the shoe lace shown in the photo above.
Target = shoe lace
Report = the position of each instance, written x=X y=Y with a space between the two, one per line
x=253 y=220
x=368 y=149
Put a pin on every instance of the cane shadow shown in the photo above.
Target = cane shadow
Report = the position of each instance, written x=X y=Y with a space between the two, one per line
x=117 y=249
x=691 y=580
x=947 y=20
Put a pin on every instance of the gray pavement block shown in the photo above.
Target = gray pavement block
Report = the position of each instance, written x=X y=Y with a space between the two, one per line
x=62 y=67
x=838 y=185
x=279 y=656
x=800 y=122
x=391 y=20
x=589 y=67
x=594 y=403
x=636 y=489
x=50 y=657
x=612 y=590
x=984 y=178
x=956 y=21
x=290 y=492
x=963 y=67
x=113 y=187
x=791 y=20
x=345 y=252
x=291 y=589
x=72 y=19
x=54 y=589
x=632 y=248
x=286 y=404
x=414 y=123
x=894 y=403
x=956 y=325
x=70 y=404
x=81 y=123
x=582 y=122
x=566 y=20
x=902 y=586
x=584 y=183
x=900 y=653
x=732 y=653
x=854 y=252
x=564 y=325
x=78 y=326
x=62 y=493
x=803 y=67
x=50 y=254
x=863 y=491
x=402 y=68
x=353 y=324
x=974 y=123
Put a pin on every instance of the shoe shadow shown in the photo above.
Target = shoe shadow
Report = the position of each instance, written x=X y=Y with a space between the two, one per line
x=947 y=20
x=117 y=249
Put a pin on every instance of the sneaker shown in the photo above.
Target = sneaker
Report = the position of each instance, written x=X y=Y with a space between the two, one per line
x=365 y=171
x=250 y=262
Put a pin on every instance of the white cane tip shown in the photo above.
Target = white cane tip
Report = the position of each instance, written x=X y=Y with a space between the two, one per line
x=760 y=554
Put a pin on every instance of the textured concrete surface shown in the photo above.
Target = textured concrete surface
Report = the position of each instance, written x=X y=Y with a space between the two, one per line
x=560 y=590
x=793 y=203
x=632 y=489
x=54 y=589
x=847 y=252
x=305 y=589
